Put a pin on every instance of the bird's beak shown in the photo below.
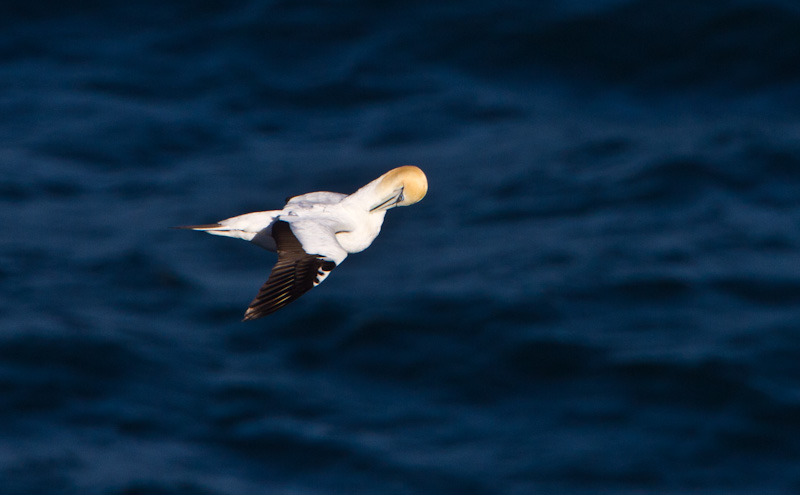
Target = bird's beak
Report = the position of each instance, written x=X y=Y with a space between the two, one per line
x=390 y=202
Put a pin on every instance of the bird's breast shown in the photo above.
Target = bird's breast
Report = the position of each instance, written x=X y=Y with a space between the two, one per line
x=360 y=231
x=356 y=241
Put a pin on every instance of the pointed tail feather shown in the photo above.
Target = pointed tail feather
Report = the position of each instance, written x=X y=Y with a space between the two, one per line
x=219 y=229
x=205 y=227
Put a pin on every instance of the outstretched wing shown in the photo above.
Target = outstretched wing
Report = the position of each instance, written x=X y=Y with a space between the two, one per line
x=296 y=271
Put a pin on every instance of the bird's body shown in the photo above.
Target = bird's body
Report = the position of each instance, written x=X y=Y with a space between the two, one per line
x=315 y=232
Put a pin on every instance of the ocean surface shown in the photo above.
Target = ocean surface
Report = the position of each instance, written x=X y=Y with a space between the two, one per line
x=599 y=295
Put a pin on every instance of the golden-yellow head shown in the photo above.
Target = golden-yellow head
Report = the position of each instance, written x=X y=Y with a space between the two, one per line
x=401 y=186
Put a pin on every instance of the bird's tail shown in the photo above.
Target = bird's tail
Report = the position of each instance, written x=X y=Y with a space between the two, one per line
x=219 y=229
x=203 y=228
x=245 y=226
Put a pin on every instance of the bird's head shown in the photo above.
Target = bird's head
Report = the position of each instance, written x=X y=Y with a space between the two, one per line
x=401 y=186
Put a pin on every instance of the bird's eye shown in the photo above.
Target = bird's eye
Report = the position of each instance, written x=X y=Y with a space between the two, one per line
x=401 y=197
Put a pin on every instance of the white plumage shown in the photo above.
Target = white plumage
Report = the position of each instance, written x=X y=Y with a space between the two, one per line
x=315 y=232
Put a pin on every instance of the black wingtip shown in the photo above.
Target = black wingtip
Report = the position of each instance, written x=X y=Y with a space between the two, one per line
x=251 y=315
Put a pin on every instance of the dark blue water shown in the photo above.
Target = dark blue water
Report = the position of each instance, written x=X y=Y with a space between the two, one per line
x=600 y=294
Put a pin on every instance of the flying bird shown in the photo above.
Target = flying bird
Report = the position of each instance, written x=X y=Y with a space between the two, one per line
x=315 y=232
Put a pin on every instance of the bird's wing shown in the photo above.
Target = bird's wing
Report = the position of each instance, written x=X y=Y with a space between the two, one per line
x=297 y=270
x=316 y=198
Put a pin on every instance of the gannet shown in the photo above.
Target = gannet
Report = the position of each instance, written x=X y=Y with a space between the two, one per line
x=315 y=232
